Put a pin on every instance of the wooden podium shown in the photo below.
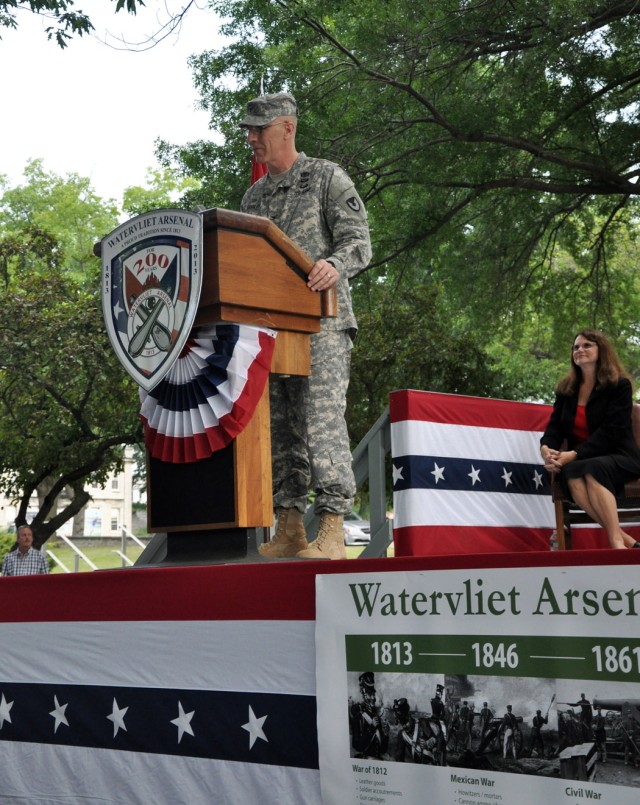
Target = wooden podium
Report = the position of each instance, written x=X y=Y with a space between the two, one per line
x=252 y=274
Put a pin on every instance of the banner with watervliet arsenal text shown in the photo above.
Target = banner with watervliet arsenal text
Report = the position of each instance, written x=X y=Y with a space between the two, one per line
x=495 y=685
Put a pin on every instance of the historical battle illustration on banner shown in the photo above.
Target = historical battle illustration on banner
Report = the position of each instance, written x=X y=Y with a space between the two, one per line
x=499 y=724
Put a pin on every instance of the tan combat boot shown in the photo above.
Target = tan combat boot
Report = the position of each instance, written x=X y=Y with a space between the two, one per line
x=290 y=536
x=329 y=544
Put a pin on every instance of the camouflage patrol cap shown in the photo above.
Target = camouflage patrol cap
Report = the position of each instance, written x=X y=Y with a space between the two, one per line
x=266 y=108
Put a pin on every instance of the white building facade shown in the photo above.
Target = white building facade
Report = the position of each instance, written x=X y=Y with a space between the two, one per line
x=109 y=510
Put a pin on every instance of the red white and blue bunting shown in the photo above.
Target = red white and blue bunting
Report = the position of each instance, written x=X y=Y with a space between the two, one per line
x=209 y=394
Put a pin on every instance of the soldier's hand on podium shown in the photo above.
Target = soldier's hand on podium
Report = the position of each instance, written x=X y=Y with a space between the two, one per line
x=323 y=275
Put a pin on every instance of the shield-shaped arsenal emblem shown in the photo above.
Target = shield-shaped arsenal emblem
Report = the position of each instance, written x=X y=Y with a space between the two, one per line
x=151 y=281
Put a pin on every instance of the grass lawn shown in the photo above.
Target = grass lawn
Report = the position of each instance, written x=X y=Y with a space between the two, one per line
x=106 y=558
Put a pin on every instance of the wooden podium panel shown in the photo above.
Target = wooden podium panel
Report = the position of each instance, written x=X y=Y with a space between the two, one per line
x=292 y=354
x=254 y=274
x=252 y=469
x=247 y=272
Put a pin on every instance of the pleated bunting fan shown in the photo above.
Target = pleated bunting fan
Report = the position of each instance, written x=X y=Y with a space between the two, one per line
x=209 y=394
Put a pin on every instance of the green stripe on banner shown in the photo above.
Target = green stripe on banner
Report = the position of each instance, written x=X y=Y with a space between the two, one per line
x=563 y=657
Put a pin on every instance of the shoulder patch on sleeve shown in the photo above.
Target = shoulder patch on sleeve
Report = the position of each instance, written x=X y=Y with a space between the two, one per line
x=343 y=193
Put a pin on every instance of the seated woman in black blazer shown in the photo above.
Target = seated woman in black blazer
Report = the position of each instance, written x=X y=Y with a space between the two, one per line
x=592 y=415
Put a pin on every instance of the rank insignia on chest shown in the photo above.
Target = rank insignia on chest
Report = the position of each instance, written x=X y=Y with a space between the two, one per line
x=305 y=181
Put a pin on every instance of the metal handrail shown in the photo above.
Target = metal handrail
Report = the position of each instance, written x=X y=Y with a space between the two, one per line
x=125 y=558
x=126 y=534
x=58 y=561
x=130 y=535
x=77 y=551
x=78 y=554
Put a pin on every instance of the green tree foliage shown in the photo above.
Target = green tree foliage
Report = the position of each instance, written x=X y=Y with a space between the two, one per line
x=408 y=338
x=66 y=405
x=536 y=97
x=67 y=20
x=162 y=190
x=494 y=142
x=7 y=543
x=66 y=207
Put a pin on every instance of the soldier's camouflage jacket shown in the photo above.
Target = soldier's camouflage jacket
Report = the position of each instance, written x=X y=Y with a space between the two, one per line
x=316 y=204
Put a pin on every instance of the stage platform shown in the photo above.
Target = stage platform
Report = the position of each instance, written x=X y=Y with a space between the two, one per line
x=186 y=684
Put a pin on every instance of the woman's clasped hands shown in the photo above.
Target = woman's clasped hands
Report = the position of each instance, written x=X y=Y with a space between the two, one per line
x=554 y=460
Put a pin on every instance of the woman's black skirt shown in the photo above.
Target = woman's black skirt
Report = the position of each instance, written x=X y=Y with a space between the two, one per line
x=613 y=472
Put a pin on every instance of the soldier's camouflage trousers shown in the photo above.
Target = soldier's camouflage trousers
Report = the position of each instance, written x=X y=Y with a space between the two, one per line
x=309 y=438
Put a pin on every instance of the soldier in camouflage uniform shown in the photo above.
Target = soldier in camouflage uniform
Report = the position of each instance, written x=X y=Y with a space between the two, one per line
x=314 y=202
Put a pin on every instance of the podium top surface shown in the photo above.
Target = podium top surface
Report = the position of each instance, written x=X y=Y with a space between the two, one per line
x=217 y=218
